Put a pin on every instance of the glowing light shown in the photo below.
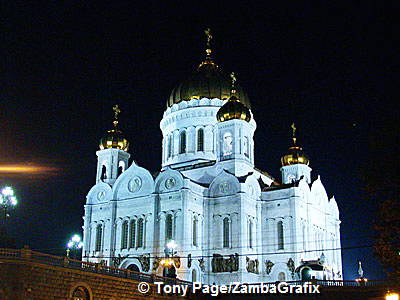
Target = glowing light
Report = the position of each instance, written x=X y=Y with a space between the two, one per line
x=7 y=191
x=392 y=296
x=20 y=169
x=171 y=244
x=76 y=238
x=75 y=242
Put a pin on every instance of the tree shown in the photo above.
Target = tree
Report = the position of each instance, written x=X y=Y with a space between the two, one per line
x=387 y=246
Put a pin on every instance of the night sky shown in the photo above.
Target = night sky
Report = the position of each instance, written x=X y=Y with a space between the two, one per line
x=329 y=67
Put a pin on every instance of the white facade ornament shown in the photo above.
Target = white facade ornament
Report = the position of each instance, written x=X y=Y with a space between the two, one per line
x=134 y=184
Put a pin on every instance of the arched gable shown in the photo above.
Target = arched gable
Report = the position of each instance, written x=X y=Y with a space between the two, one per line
x=99 y=193
x=333 y=208
x=134 y=182
x=169 y=180
x=319 y=196
x=252 y=187
x=224 y=184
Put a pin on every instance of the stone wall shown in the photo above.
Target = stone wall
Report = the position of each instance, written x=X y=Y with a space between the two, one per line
x=24 y=280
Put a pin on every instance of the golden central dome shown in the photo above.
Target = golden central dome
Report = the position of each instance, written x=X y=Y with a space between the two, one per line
x=114 y=137
x=207 y=82
x=296 y=154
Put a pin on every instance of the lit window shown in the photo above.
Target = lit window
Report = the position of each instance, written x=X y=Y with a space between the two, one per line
x=124 y=235
x=182 y=142
x=200 y=140
x=226 y=232
x=280 y=235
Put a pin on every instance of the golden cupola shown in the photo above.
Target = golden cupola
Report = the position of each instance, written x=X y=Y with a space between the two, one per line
x=114 y=137
x=208 y=81
x=233 y=108
x=295 y=154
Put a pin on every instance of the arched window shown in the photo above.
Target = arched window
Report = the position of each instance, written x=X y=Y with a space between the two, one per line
x=281 y=276
x=194 y=275
x=303 y=229
x=170 y=142
x=124 y=235
x=80 y=293
x=99 y=237
x=140 y=234
x=281 y=242
x=132 y=234
x=226 y=232
x=195 y=222
x=103 y=173
x=250 y=234
x=246 y=146
x=168 y=227
x=182 y=142
x=200 y=140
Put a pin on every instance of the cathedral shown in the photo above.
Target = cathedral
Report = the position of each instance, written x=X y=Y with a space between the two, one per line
x=209 y=215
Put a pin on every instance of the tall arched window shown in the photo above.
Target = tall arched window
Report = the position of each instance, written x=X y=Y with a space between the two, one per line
x=200 y=140
x=170 y=141
x=168 y=227
x=195 y=222
x=281 y=242
x=124 y=235
x=194 y=275
x=226 y=232
x=182 y=142
x=103 y=173
x=132 y=233
x=250 y=234
x=140 y=235
x=303 y=229
x=99 y=237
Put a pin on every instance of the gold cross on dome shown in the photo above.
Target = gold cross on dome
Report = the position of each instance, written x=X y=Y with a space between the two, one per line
x=233 y=76
x=117 y=111
x=294 y=129
x=209 y=36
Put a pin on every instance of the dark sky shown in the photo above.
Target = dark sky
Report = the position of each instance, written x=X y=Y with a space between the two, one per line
x=329 y=67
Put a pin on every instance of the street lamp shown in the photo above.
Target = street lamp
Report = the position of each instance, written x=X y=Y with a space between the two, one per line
x=7 y=201
x=168 y=261
x=392 y=296
x=74 y=243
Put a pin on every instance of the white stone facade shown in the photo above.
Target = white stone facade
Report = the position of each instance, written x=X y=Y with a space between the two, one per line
x=230 y=221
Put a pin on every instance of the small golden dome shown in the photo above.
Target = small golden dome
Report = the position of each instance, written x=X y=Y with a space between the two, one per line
x=233 y=109
x=296 y=154
x=114 y=137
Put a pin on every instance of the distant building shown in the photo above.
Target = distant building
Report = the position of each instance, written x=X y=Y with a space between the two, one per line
x=229 y=220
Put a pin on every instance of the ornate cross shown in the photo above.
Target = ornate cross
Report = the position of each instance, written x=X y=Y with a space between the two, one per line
x=209 y=36
x=117 y=111
x=293 y=129
x=233 y=80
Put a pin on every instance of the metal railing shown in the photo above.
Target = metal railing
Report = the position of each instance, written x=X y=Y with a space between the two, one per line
x=33 y=256
x=52 y=260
